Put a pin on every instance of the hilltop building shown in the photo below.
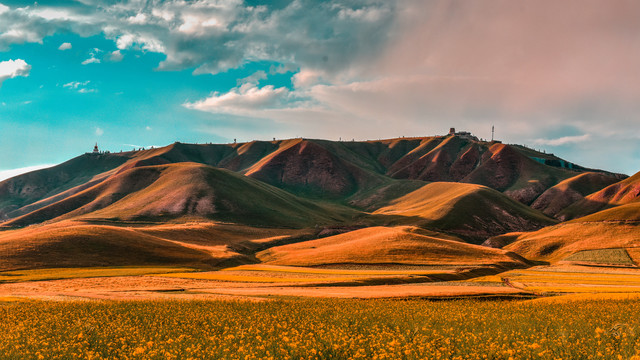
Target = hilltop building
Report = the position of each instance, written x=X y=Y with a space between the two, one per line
x=95 y=149
x=462 y=134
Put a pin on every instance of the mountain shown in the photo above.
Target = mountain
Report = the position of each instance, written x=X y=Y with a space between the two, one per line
x=165 y=192
x=614 y=228
x=622 y=192
x=474 y=212
x=426 y=197
x=343 y=172
x=559 y=197
x=388 y=245
x=85 y=244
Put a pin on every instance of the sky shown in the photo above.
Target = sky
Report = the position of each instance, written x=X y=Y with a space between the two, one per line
x=560 y=76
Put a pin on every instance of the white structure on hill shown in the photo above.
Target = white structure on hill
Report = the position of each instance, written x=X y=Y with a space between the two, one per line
x=462 y=134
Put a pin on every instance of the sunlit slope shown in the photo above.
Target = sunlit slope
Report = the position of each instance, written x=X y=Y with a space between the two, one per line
x=164 y=192
x=622 y=192
x=341 y=171
x=472 y=211
x=618 y=227
x=567 y=192
x=386 y=245
x=507 y=169
x=31 y=187
x=88 y=246
x=79 y=244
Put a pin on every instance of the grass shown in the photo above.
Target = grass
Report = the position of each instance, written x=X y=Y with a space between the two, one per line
x=73 y=273
x=603 y=256
x=321 y=329
x=308 y=270
x=559 y=281
x=255 y=278
x=387 y=245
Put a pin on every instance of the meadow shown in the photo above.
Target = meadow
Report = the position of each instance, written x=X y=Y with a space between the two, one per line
x=320 y=329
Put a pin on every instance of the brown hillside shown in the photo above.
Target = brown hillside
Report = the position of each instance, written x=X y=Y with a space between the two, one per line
x=618 y=227
x=383 y=245
x=567 y=192
x=339 y=171
x=507 y=170
x=623 y=192
x=308 y=168
x=187 y=189
x=76 y=244
x=472 y=211
x=28 y=188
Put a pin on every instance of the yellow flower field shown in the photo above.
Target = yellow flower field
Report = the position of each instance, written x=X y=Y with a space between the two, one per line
x=320 y=329
x=77 y=273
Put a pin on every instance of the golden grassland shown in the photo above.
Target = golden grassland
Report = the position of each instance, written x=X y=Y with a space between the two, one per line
x=335 y=271
x=260 y=273
x=321 y=329
x=569 y=279
x=76 y=273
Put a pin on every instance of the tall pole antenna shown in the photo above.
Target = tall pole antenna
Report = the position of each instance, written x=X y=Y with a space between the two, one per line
x=492 y=132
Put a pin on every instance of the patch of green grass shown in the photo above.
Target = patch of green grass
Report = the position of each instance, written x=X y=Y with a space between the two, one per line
x=602 y=256
x=72 y=273
x=321 y=329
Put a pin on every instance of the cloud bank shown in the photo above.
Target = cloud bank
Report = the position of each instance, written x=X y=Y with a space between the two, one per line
x=378 y=68
x=13 y=68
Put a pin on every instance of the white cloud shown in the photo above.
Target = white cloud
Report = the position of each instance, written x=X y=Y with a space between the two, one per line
x=76 y=84
x=99 y=131
x=13 y=68
x=116 y=56
x=64 y=46
x=3 y=8
x=80 y=86
x=246 y=98
x=91 y=60
x=253 y=78
x=7 y=174
x=563 y=140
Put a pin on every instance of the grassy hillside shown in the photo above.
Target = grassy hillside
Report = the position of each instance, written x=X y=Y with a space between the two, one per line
x=343 y=171
x=623 y=192
x=567 y=192
x=385 y=245
x=80 y=244
x=618 y=227
x=164 y=192
x=472 y=211
x=37 y=185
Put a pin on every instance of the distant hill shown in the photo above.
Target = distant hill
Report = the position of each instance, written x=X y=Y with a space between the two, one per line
x=388 y=245
x=617 y=227
x=419 y=200
x=317 y=169
x=622 y=192
x=165 y=192
x=559 y=197
x=85 y=244
x=474 y=212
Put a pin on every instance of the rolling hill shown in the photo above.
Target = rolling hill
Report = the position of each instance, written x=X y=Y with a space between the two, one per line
x=165 y=192
x=84 y=244
x=614 y=228
x=345 y=172
x=388 y=245
x=408 y=200
x=559 y=197
x=622 y=192
x=474 y=212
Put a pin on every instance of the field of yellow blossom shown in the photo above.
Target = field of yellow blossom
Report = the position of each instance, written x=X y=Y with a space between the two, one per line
x=320 y=329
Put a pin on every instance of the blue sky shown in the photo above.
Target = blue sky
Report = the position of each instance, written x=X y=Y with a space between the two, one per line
x=559 y=77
